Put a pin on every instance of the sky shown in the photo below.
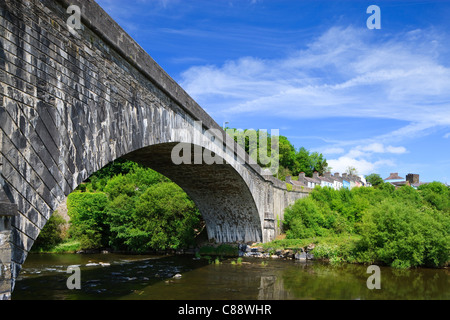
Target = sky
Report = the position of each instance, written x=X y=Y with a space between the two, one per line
x=374 y=99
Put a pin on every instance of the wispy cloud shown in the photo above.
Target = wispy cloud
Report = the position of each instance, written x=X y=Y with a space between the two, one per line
x=340 y=74
x=345 y=72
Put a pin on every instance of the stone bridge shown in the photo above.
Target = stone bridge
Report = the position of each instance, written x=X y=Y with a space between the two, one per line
x=74 y=100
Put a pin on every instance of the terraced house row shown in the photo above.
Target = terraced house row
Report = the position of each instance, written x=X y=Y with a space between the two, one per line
x=336 y=181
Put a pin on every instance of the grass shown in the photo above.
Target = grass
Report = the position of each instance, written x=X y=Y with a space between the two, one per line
x=69 y=246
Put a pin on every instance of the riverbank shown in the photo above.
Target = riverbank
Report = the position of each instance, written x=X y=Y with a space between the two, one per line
x=332 y=249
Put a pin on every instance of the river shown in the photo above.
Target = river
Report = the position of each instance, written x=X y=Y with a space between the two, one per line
x=115 y=276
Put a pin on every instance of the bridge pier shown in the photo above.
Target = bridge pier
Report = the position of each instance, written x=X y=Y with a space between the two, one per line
x=7 y=212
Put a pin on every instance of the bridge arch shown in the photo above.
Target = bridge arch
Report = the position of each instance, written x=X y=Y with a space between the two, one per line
x=219 y=191
x=73 y=101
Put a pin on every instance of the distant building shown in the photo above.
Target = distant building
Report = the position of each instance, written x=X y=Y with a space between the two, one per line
x=346 y=181
x=396 y=180
x=394 y=177
x=412 y=180
x=325 y=181
x=335 y=181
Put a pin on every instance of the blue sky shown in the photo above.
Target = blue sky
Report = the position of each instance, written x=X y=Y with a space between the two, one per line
x=378 y=100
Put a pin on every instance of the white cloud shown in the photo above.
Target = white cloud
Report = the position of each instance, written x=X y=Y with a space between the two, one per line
x=343 y=73
x=365 y=158
x=396 y=150
x=363 y=167
x=447 y=135
x=374 y=147
x=377 y=147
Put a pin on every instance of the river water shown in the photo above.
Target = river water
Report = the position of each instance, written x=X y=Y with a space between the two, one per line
x=115 y=276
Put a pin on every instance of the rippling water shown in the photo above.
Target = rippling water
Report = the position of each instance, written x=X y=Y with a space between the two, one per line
x=113 y=276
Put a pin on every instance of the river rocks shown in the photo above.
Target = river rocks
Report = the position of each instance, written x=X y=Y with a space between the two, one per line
x=300 y=256
x=257 y=251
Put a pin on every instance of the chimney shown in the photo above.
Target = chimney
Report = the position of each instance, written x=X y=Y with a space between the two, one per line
x=301 y=177
x=344 y=175
x=316 y=175
x=336 y=175
x=288 y=179
x=327 y=174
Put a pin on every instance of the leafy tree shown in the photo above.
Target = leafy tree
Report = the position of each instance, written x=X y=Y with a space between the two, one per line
x=165 y=217
x=402 y=235
x=291 y=161
x=374 y=179
x=352 y=170
x=51 y=235
x=88 y=218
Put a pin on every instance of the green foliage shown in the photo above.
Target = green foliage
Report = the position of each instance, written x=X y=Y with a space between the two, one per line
x=164 y=218
x=291 y=161
x=289 y=187
x=131 y=208
x=374 y=179
x=87 y=218
x=51 y=235
x=437 y=195
x=401 y=227
x=404 y=235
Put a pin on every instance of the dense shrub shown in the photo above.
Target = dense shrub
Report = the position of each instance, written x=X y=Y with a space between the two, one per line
x=52 y=233
x=163 y=217
x=135 y=209
x=88 y=218
x=401 y=227
x=403 y=235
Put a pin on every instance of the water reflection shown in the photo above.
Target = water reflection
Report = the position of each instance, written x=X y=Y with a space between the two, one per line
x=150 y=277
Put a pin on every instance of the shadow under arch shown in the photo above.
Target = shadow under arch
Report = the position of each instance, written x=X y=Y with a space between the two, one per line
x=218 y=190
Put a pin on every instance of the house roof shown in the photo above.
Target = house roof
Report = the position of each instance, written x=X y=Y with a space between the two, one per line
x=325 y=179
x=312 y=180
x=394 y=176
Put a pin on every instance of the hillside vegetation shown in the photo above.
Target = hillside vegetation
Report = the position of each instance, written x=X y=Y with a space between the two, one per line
x=401 y=228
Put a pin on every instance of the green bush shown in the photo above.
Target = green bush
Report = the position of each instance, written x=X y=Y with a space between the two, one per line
x=88 y=218
x=51 y=235
x=403 y=235
x=167 y=217
x=401 y=227
x=162 y=217
x=306 y=219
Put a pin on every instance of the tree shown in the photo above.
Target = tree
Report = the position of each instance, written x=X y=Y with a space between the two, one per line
x=351 y=170
x=87 y=218
x=318 y=163
x=374 y=179
x=165 y=217
x=52 y=233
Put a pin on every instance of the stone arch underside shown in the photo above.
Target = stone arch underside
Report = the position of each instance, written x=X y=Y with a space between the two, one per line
x=221 y=195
